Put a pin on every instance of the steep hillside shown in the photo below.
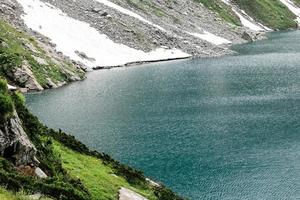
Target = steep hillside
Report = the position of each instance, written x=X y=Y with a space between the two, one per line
x=36 y=160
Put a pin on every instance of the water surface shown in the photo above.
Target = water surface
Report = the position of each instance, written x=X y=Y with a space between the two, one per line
x=224 y=128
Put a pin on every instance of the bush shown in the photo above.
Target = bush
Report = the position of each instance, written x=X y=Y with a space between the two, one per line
x=3 y=86
x=8 y=61
x=6 y=105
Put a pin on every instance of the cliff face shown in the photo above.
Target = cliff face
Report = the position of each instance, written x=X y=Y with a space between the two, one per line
x=14 y=142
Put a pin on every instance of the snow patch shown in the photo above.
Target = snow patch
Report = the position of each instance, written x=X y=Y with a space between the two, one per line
x=10 y=87
x=71 y=36
x=293 y=8
x=246 y=20
x=130 y=13
x=214 y=39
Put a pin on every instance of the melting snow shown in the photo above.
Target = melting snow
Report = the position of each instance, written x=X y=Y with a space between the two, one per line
x=293 y=8
x=71 y=35
x=210 y=37
x=130 y=13
x=246 y=22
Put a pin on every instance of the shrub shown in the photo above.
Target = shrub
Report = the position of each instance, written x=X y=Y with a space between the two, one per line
x=6 y=105
x=3 y=86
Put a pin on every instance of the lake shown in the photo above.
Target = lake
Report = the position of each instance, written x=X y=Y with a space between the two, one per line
x=219 y=128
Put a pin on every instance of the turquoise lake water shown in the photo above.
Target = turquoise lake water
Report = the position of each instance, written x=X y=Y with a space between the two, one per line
x=221 y=128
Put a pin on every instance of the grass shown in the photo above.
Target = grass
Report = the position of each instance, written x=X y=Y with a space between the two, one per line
x=222 y=10
x=74 y=172
x=6 y=195
x=13 y=52
x=96 y=176
x=6 y=103
x=148 y=7
x=271 y=13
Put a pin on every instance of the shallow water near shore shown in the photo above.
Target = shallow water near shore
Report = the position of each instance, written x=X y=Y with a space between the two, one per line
x=222 y=128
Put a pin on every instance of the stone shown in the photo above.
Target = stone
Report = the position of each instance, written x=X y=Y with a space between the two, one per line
x=14 y=142
x=35 y=196
x=104 y=14
x=96 y=10
x=126 y=194
x=39 y=173
x=24 y=76
x=247 y=36
x=84 y=56
x=39 y=60
x=30 y=47
x=153 y=183
x=11 y=88
x=51 y=84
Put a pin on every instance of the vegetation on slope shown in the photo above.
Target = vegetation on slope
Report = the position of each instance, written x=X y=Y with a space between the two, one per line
x=17 y=48
x=222 y=9
x=97 y=176
x=74 y=172
x=149 y=7
x=6 y=103
x=6 y=195
x=271 y=13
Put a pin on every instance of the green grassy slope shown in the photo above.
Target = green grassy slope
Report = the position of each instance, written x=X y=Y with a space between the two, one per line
x=14 y=50
x=222 y=9
x=6 y=195
x=98 y=177
x=74 y=172
x=271 y=13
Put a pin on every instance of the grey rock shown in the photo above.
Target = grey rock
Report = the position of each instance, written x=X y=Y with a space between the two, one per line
x=104 y=14
x=39 y=60
x=14 y=142
x=24 y=76
x=84 y=56
x=96 y=10
x=39 y=173
x=126 y=194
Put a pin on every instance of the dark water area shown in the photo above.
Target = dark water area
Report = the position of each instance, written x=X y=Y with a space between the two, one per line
x=222 y=128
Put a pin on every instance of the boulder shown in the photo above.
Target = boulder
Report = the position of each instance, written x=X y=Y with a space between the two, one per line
x=126 y=194
x=24 y=77
x=39 y=60
x=84 y=56
x=39 y=173
x=96 y=10
x=14 y=142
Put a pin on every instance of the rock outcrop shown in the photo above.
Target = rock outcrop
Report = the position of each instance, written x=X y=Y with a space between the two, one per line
x=14 y=142
x=23 y=76
x=126 y=194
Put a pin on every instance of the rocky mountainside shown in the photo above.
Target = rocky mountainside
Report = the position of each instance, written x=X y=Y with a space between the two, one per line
x=59 y=39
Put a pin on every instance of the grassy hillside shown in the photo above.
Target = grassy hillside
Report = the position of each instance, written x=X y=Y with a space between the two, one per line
x=17 y=48
x=222 y=9
x=98 y=177
x=74 y=172
x=271 y=13
x=6 y=195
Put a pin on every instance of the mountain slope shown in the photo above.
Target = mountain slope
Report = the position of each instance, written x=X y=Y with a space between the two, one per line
x=58 y=166
x=271 y=13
